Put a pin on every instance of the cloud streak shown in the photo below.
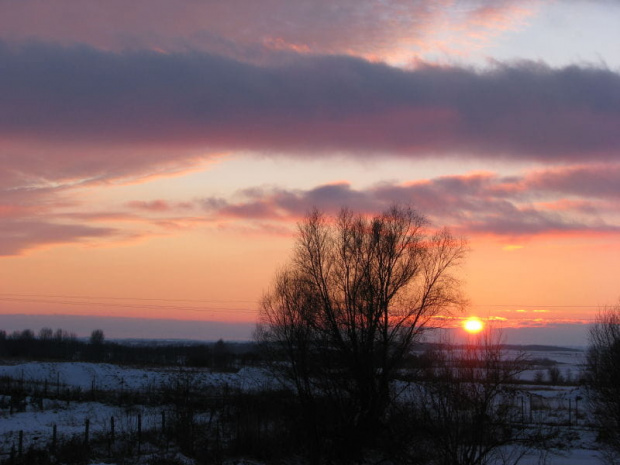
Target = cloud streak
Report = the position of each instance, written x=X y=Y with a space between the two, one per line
x=478 y=203
x=572 y=200
x=21 y=235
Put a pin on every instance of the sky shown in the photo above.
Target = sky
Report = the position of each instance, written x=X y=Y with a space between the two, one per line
x=156 y=155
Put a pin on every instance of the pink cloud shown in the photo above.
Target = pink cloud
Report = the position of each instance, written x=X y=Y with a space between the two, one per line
x=477 y=203
x=21 y=235
x=540 y=202
x=247 y=29
x=590 y=181
x=569 y=205
x=154 y=205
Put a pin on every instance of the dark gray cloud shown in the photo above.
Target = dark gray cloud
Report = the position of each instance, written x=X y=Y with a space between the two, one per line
x=596 y=181
x=313 y=104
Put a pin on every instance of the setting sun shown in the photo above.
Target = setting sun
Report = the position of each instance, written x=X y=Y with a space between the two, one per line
x=473 y=325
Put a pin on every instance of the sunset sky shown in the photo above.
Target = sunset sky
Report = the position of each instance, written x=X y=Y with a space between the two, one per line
x=155 y=155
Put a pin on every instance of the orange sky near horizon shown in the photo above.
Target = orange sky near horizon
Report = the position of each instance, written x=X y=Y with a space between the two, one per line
x=221 y=276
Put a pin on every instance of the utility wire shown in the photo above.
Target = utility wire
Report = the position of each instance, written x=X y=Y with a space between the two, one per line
x=6 y=296
x=129 y=305
x=86 y=297
x=100 y=301
x=537 y=306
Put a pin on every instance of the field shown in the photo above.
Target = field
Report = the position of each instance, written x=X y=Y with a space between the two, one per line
x=116 y=412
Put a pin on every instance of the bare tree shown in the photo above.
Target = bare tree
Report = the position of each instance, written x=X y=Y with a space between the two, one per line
x=469 y=405
x=97 y=337
x=603 y=377
x=46 y=334
x=347 y=309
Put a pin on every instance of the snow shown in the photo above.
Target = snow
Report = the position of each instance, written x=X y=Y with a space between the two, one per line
x=108 y=377
x=38 y=419
x=571 y=457
x=37 y=426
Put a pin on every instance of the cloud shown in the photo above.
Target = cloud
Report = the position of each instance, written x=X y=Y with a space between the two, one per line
x=538 y=202
x=75 y=116
x=596 y=181
x=21 y=235
x=249 y=30
x=158 y=205
x=65 y=99
x=476 y=203
x=282 y=204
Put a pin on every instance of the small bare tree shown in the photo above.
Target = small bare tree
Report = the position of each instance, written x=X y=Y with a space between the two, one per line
x=603 y=377
x=347 y=309
x=468 y=404
x=97 y=337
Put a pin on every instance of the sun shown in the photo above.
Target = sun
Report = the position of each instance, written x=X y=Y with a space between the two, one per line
x=473 y=325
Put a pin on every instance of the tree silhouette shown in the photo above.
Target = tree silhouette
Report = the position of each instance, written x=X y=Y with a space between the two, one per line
x=467 y=408
x=97 y=337
x=345 y=312
x=603 y=377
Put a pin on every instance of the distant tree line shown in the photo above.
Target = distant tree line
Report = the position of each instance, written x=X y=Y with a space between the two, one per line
x=61 y=345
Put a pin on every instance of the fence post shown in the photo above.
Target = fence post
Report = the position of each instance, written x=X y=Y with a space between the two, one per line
x=577 y=399
x=164 y=434
x=139 y=432
x=54 y=437
x=111 y=436
x=86 y=430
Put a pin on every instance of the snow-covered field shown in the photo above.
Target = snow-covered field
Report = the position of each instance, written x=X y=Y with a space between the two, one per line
x=558 y=400
x=113 y=377
x=36 y=419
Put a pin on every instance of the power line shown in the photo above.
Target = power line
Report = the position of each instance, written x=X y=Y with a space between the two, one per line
x=129 y=305
x=97 y=299
x=152 y=299
x=537 y=306
x=86 y=297
x=100 y=301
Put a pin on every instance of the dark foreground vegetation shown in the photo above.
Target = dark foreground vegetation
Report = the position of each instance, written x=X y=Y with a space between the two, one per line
x=452 y=405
